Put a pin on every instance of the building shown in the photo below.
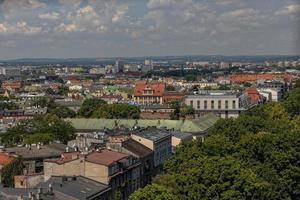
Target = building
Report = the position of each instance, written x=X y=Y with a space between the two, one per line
x=279 y=89
x=118 y=170
x=34 y=155
x=158 y=140
x=5 y=159
x=224 y=104
x=254 y=95
x=149 y=92
x=11 y=71
x=143 y=153
x=119 y=66
x=60 y=187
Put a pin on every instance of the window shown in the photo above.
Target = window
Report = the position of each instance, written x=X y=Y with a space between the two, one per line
x=198 y=104
x=191 y=103
x=233 y=104
x=226 y=104
x=212 y=104
x=219 y=104
x=205 y=104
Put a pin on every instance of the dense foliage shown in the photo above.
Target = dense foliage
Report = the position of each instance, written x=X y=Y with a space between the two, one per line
x=256 y=156
x=5 y=103
x=44 y=129
x=117 y=111
x=14 y=168
x=97 y=108
x=89 y=106
x=180 y=110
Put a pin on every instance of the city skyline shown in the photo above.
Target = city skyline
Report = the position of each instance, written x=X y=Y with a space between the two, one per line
x=131 y=28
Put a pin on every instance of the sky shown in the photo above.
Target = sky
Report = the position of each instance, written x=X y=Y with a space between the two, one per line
x=130 y=28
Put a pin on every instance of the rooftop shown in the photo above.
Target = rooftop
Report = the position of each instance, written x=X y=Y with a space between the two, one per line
x=71 y=188
x=136 y=148
x=152 y=133
x=188 y=126
x=43 y=151
x=105 y=157
x=214 y=93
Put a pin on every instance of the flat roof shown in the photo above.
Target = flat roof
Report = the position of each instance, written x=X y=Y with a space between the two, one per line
x=45 y=151
x=152 y=133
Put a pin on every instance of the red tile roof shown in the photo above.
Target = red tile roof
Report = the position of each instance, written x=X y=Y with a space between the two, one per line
x=5 y=159
x=253 y=94
x=105 y=157
x=157 y=87
x=65 y=157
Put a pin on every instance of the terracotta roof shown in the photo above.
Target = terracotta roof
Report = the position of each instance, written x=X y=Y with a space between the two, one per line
x=5 y=159
x=251 y=90
x=157 y=87
x=253 y=94
x=105 y=157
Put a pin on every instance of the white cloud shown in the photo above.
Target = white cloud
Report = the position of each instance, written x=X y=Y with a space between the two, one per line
x=289 y=10
x=50 y=16
x=21 y=28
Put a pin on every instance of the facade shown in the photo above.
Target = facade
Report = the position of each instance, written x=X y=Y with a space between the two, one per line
x=118 y=170
x=158 y=140
x=34 y=155
x=149 y=92
x=224 y=104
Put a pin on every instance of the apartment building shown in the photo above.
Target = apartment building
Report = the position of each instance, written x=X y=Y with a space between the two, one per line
x=224 y=104
x=158 y=140
x=118 y=170
x=149 y=92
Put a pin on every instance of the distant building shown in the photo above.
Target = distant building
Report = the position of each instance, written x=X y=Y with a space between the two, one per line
x=119 y=66
x=254 y=95
x=224 y=104
x=149 y=92
x=98 y=70
x=10 y=71
x=225 y=65
x=279 y=89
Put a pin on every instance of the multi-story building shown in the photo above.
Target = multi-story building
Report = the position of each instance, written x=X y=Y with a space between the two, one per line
x=278 y=89
x=149 y=92
x=224 y=104
x=158 y=140
x=118 y=170
x=11 y=71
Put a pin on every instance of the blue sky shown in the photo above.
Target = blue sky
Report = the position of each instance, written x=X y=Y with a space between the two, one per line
x=110 y=28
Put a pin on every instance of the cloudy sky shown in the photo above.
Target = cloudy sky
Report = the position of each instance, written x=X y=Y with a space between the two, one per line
x=109 y=28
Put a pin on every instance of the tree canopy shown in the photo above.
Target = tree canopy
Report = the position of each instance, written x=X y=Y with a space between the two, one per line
x=43 y=128
x=256 y=156
x=89 y=106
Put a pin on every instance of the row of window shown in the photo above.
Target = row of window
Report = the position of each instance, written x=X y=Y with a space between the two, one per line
x=212 y=104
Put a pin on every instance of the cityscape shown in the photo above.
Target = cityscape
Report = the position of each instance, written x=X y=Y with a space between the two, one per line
x=149 y=99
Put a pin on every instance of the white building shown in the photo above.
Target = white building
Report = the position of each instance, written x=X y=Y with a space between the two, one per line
x=224 y=104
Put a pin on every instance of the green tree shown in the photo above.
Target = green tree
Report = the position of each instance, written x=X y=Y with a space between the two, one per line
x=89 y=106
x=117 y=111
x=153 y=192
x=12 y=169
x=63 y=112
x=44 y=129
x=292 y=102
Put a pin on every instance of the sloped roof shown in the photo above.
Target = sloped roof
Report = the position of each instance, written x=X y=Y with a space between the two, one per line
x=189 y=126
x=157 y=87
x=5 y=159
